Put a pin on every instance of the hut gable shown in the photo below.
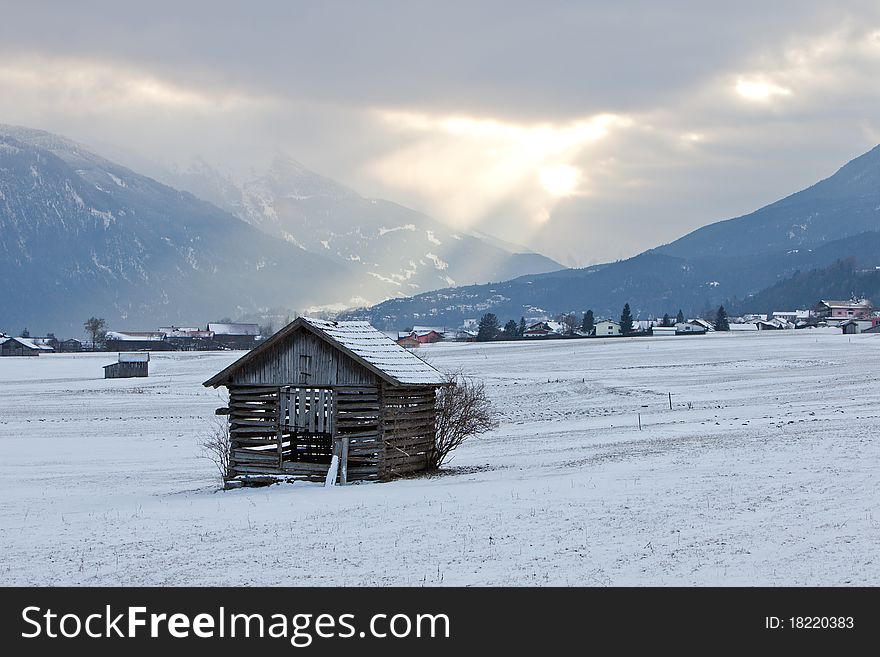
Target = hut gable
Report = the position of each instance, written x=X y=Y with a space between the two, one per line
x=303 y=358
x=330 y=353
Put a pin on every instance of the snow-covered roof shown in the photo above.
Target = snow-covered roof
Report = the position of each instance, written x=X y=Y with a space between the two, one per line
x=364 y=343
x=135 y=357
x=136 y=336
x=378 y=350
x=234 y=329
x=423 y=330
x=852 y=303
x=185 y=332
x=27 y=342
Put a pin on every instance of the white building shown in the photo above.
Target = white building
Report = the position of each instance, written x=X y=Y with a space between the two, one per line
x=607 y=327
x=694 y=326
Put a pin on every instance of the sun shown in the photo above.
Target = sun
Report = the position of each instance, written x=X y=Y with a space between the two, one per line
x=759 y=90
x=559 y=179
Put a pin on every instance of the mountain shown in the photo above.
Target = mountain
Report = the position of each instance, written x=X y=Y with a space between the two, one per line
x=725 y=262
x=843 y=205
x=82 y=236
x=400 y=251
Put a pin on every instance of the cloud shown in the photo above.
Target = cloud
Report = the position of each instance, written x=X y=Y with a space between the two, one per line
x=590 y=131
x=464 y=165
x=77 y=84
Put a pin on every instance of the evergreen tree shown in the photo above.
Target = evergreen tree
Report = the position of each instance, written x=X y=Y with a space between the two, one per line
x=489 y=328
x=25 y=333
x=521 y=330
x=666 y=320
x=679 y=318
x=570 y=323
x=510 y=329
x=721 y=322
x=626 y=320
x=589 y=322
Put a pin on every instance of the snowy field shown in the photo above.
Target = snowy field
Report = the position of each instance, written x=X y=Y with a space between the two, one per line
x=765 y=472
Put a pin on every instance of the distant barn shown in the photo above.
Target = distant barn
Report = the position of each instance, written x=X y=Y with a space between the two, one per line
x=22 y=347
x=128 y=366
x=317 y=389
x=136 y=341
x=235 y=336
x=70 y=345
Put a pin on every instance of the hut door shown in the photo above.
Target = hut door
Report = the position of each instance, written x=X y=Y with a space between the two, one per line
x=306 y=419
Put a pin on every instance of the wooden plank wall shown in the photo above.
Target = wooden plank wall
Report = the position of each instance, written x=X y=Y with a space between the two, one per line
x=126 y=370
x=358 y=421
x=408 y=429
x=253 y=427
x=389 y=430
x=305 y=359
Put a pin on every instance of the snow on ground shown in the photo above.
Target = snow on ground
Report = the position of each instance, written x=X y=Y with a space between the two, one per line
x=764 y=472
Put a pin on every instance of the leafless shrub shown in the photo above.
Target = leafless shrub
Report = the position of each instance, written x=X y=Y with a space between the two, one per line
x=216 y=447
x=463 y=410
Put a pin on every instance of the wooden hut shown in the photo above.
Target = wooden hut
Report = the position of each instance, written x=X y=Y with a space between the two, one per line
x=129 y=366
x=318 y=389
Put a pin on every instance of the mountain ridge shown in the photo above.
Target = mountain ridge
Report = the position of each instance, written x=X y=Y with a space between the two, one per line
x=403 y=250
x=837 y=217
x=82 y=236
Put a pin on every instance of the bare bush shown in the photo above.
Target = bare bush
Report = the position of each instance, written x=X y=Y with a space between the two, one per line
x=217 y=445
x=463 y=410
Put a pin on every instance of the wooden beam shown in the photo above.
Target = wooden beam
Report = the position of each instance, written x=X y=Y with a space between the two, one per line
x=343 y=473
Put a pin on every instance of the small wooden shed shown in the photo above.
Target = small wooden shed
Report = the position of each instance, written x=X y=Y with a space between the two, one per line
x=136 y=364
x=319 y=388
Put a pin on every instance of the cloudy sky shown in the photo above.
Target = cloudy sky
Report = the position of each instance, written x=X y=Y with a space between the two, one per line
x=588 y=131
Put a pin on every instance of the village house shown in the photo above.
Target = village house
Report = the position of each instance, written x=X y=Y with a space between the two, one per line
x=408 y=341
x=70 y=345
x=10 y=346
x=606 y=328
x=774 y=324
x=48 y=341
x=429 y=334
x=319 y=393
x=543 y=329
x=832 y=311
x=423 y=334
